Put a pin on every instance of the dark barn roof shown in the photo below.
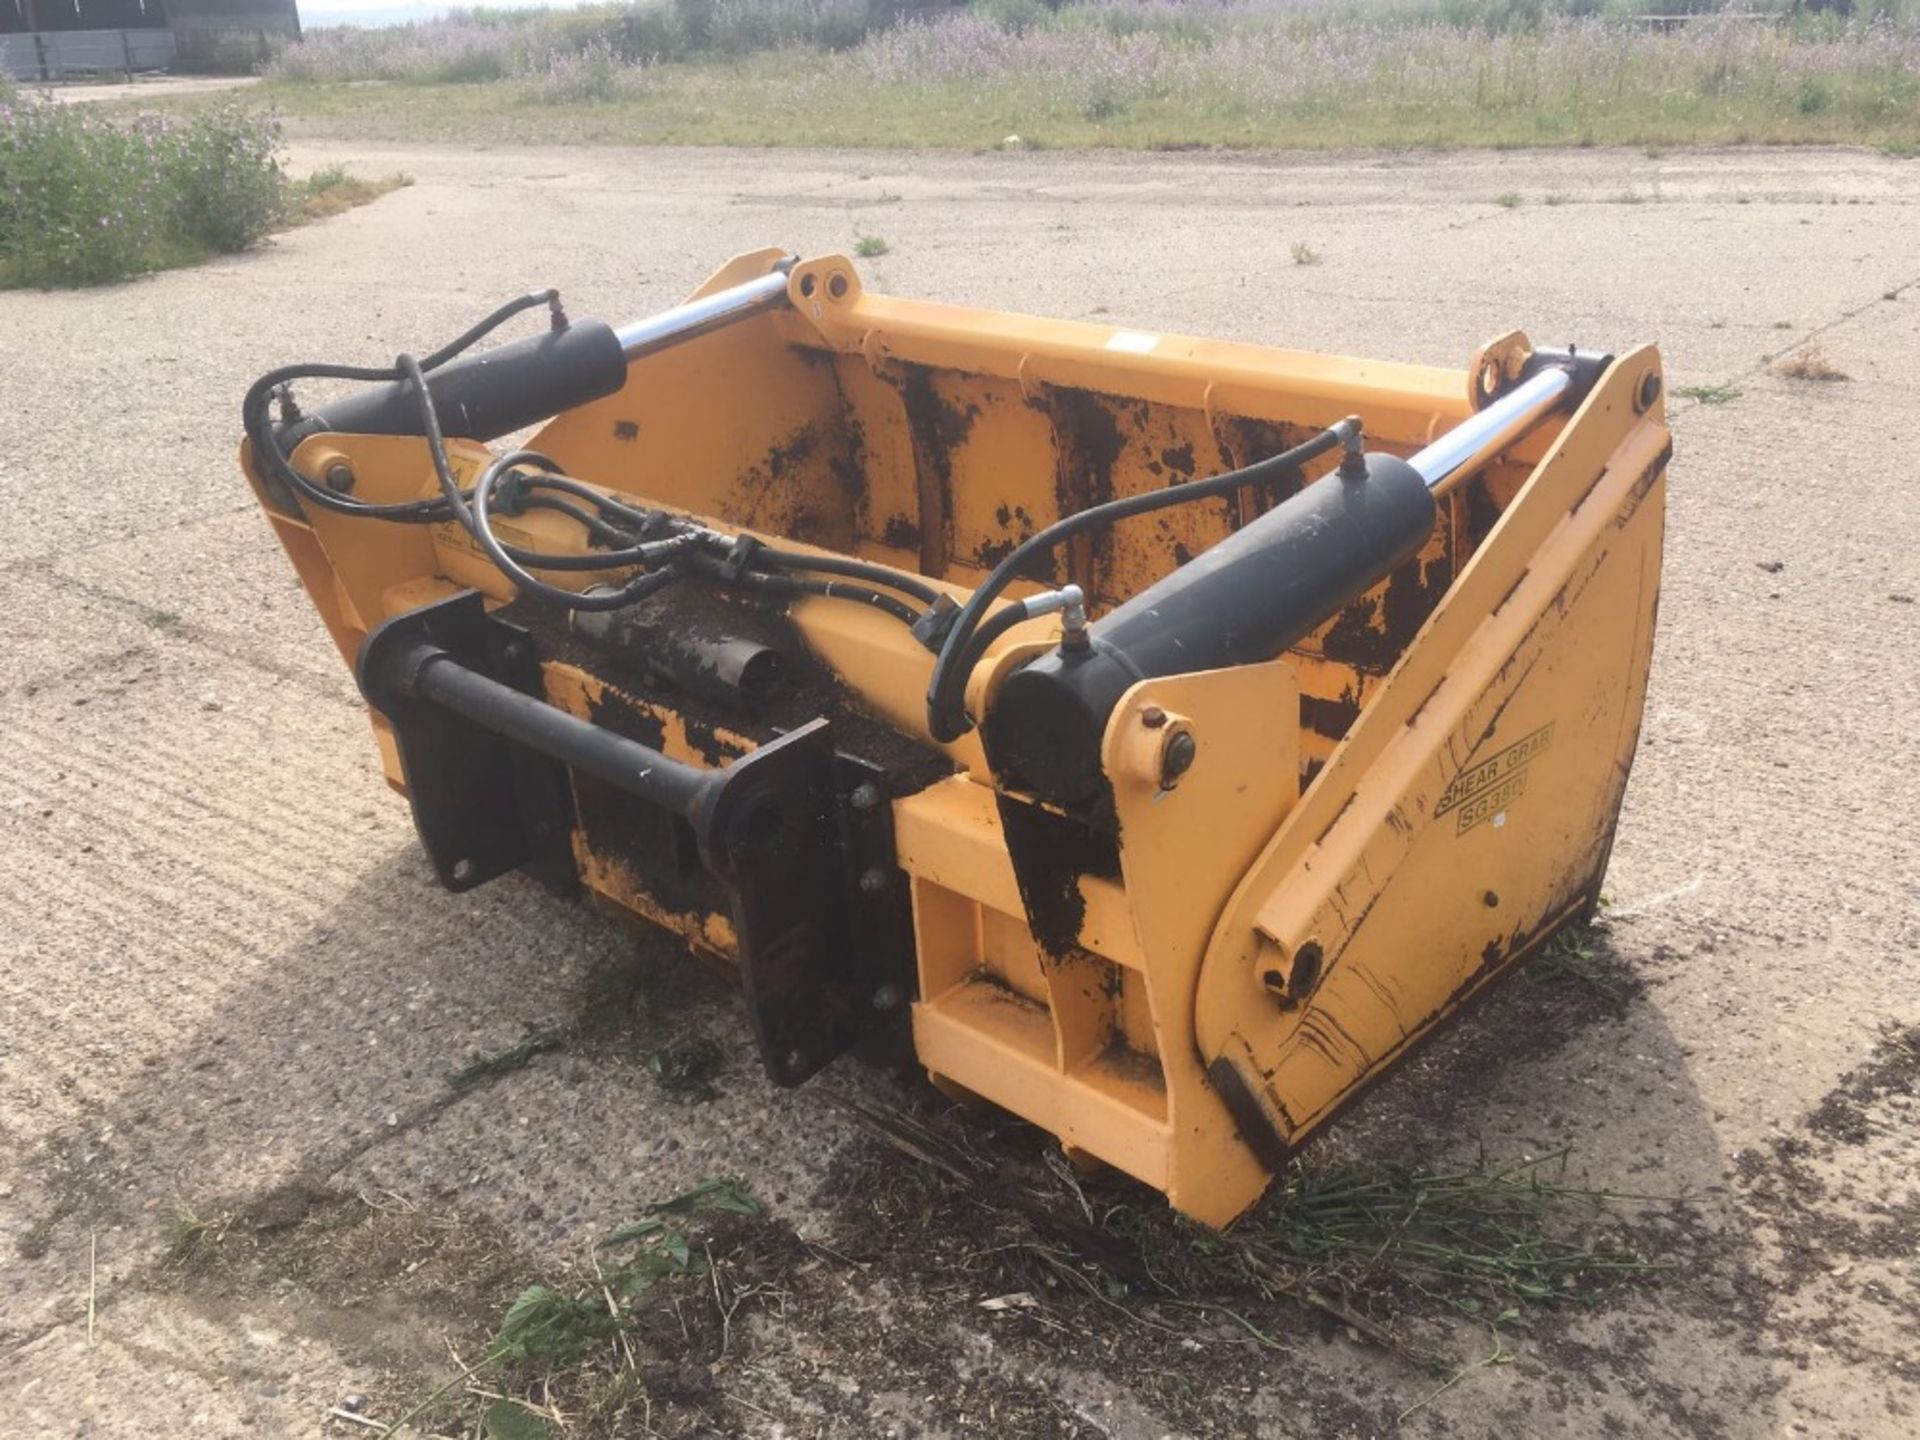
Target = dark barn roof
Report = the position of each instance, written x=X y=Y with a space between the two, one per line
x=17 y=17
x=277 y=15
x=274 y=16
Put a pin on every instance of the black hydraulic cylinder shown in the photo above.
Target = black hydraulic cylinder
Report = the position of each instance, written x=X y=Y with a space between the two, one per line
x=725 y=670
x=1242 y=601
x=424 y=671
x=487 y=394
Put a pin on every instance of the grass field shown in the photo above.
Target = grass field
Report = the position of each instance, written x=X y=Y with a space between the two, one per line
x=1126 y=73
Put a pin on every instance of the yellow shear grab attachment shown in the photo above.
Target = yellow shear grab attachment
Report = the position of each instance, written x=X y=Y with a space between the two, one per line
x=1159 y=735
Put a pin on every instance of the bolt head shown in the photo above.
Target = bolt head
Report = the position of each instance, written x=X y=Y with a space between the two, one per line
x=1648 y=392
x=1182 y=750
x=865 y=796
x=873 y=880
x=339 y=477
x=1153 y=717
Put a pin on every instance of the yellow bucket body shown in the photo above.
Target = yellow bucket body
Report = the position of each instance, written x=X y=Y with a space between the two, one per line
x=1375 y=824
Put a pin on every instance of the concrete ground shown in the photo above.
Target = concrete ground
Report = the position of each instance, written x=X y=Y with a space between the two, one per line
x=228 y=968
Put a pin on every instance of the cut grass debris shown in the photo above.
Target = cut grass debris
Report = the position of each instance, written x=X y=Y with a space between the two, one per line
x=515 y=1057
x=1573 y=957
x=581 y=1348
x=686 y=1071
x=870 y=247
x=1304 y=254
x=1708 y=394
x=1477 y=1239
x=191 y=1238
x=1510 y=200
x=1375 y=1247
x=1809 y=363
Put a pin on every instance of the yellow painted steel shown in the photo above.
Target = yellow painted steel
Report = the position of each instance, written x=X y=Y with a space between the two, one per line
x=1376 y=824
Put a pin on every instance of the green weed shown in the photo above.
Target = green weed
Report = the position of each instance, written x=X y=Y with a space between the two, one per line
x=326 y=178
x=222 y=173
x=1707 y=394
x=334 y=189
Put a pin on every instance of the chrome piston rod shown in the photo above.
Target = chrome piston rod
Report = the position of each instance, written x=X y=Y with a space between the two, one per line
x=709 y=312
x=1463 y=450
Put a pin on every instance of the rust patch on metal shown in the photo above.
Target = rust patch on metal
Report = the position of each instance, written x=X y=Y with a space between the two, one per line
x=653 y=849
x=938 y=428
x=1087 y=444
x=901 y=533
x=1371 y=633
x=1244 y=441
x=849 y=467
x=772 y=495
x=1331 y=718
x=1015 y=526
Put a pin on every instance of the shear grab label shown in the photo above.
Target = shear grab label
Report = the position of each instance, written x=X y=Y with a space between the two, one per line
x=1484 y=791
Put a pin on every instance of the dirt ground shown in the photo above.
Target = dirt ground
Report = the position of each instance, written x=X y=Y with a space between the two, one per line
x=237 y=1187
x=143 y=87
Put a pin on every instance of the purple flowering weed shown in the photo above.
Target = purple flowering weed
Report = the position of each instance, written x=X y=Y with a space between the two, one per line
x=86 y=197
